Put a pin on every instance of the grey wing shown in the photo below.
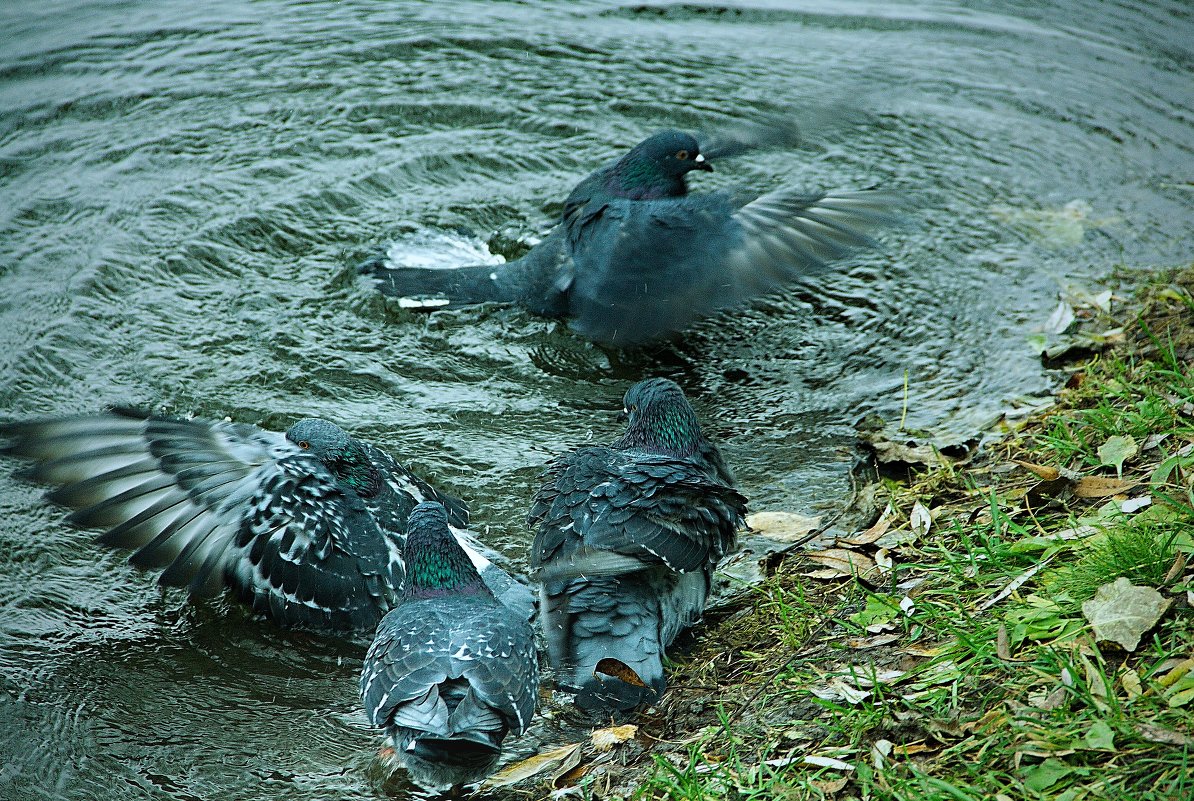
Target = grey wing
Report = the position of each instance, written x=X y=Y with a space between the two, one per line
x=604 y=511
x=646 y=269
x=451 y=673
x=212 y=504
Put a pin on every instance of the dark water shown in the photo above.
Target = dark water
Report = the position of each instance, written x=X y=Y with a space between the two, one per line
x=184 y=184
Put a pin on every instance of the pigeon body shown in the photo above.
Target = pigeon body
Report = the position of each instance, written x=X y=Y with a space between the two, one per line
x=627 y=539
x=451 y=671
x=637 y=258
x=307 y=527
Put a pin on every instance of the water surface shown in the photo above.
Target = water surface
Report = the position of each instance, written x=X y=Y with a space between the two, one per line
x=185 y=187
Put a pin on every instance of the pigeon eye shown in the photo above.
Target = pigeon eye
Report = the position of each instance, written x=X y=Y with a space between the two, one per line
x=304 y=445
x=682 y=155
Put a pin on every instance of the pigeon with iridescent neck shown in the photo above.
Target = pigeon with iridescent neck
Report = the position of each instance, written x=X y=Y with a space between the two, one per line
x=627 y=538
x=306 y=527
x=636 y=257
x=451 y=671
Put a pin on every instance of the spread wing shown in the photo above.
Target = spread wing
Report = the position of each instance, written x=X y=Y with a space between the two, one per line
x=644 y=269
x=218 y=504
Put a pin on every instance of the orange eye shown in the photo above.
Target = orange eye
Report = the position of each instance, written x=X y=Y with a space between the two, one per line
x=304 y=445
x=682 y=155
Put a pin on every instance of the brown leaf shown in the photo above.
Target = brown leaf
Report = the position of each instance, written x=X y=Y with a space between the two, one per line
x=1159 y=734
x=619 y=670
x=1100 y=487
x=871 y=534
x=860 y=643
x=830 y=787
x=843 y=562
x=783 y=526
x=1002 y=648
x=558 y=761
x=605 y=739
x=1042 y=471
x=1175 y=570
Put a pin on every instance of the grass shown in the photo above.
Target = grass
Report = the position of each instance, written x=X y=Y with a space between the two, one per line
x=971 y=699
x=968 y=671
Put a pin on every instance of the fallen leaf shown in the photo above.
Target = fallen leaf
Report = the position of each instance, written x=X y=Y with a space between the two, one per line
x=1041 y=471
x=1175 y=570
x=1176 y=670
x=827 y=762
x=558 y=761
x=1099 y=487
x=872 y=642
x=1045 y=775
x=1002 y=648
x=1132 y=505
x=1159 y=734
x=1060 y=320
x=783 y=526
x=1013 y=585
x=842 y=562
x=605 y=739
x=619 y=670
x=838 y=690
x=1122 y=612
x=1131 y=683
x=1099 y=737
x=1116 y=450
x=873 y=533
x=830 y=787
x=880 y=751
x=920 y=519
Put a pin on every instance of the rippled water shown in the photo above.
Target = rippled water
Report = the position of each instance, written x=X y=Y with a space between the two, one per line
x=186 y=184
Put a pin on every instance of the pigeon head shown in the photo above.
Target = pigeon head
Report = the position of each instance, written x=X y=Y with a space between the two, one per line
x=659 y=418
x=339 y=453
x=436 y=565
x=655 y=167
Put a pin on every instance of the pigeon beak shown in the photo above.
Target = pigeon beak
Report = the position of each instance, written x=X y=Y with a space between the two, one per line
x=623 y=415
x=701 y=164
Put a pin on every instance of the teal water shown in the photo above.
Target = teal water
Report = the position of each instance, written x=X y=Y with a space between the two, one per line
x=185 y=186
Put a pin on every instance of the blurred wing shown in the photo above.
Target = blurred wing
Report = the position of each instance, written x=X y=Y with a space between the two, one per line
x=215 y=504
x=645 y=269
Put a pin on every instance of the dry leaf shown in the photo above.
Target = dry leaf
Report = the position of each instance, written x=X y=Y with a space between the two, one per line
x=1122 y=612
x=619 y=670
x=1159 y=734
x=827 y=762
x=842 y=562
x=1099 y=487
x=873 y=533
x=1131 y=683
x=605 y=739
x=830 y=787
x=1041 y=471
x=558 y=761
x=920 y=520
x=872 y=642
x=783 y=526
x=1175 y=570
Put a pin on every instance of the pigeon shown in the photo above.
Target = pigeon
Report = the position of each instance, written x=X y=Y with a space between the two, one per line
x=451 y=671
x=627 y=538
x=307 y=528
x=635 y=258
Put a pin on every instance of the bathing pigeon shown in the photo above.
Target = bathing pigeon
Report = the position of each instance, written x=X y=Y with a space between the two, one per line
x=636 y=257
x=451 y=671
x=306 y=527
x=627 y=539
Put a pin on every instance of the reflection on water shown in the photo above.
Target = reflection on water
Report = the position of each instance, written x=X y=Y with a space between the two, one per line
x=187 y=187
